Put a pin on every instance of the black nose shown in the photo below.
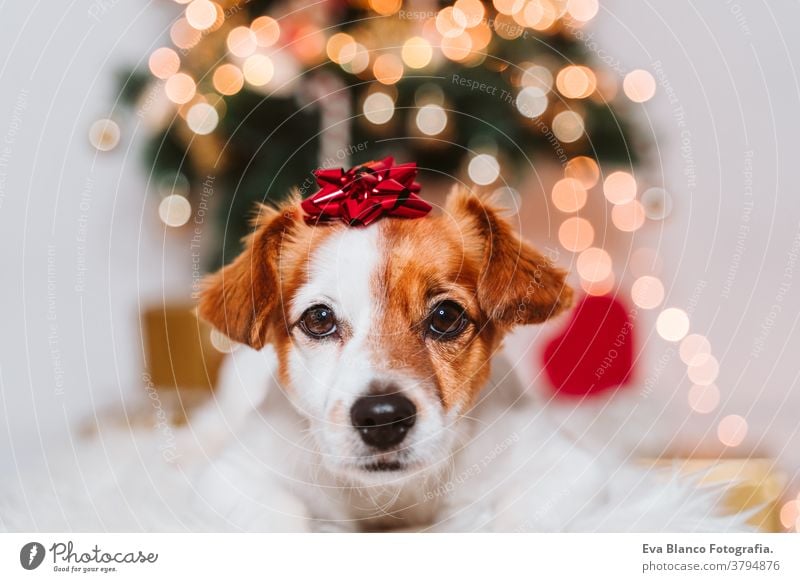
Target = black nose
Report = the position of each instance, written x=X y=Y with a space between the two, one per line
x=383 y=420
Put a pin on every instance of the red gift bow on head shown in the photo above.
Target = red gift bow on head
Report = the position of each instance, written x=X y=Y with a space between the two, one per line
x=363 y=194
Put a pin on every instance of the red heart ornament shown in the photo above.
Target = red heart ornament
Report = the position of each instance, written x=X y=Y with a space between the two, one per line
x=594 y=352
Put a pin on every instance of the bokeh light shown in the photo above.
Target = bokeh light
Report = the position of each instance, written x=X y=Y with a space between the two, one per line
x=258 y=70
x=385 y=7
x=603 y=287
x=647 y=292
x=104 y=134
x=180 y=88
x=594 y=265
x=241 y=42
x=568 y=126
x=450 y=22
x=228 y=79
x=431 y=119
x=508 y=7
x=672 y=324
x=201 y=14
x=584 y=169
x=628 y=217
x=164 y=62
x=790 y=513
x=483 y=169
x=537 y=76
x=388 y=69
x=336 y=44
x=378 y=108
x=183 y=35
x=576 y=82
x=202 y=118
x=576 y=234
x=703 y=370
x=457 y=48
x=732 y=430
x=657 y=203
x=354 y=58
x=619 y=187
x=174 y=210
x=267 y=31
x=472 y=12
x=639 y=86
x=694 y=348
x=531 y=101
x=417 y=52
x=583 y=10
x=569 y=195
x=703 y=399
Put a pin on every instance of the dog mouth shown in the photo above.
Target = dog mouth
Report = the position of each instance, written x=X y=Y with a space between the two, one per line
x=383 y=466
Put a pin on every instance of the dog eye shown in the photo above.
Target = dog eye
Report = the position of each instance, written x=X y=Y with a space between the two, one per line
x=318 y=321
x=447 y=320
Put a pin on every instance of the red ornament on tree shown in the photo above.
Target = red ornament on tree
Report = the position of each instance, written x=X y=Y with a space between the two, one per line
x=594 y=353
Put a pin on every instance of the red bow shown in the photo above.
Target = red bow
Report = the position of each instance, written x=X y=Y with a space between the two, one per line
x=363 y=194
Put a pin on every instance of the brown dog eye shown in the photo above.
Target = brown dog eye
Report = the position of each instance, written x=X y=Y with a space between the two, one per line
x=318 y=321
x=447 y=320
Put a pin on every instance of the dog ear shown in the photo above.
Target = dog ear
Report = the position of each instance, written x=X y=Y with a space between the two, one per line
x=239 y=299
x=518 y=285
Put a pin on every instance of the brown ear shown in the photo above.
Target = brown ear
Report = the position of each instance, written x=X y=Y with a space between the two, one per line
x=239 y=299
x=518 y=285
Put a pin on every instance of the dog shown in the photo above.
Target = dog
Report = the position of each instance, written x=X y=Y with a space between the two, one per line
x=389 y=407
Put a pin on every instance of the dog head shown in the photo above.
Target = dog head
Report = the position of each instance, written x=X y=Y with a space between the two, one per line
x=384 y=334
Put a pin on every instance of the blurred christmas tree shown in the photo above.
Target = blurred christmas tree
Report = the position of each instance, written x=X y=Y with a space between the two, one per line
x=254 y=95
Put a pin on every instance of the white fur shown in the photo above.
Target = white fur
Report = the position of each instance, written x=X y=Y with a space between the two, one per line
x=287 y=458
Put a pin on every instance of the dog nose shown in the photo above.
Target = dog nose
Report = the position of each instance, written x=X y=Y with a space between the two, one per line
x=383 y=420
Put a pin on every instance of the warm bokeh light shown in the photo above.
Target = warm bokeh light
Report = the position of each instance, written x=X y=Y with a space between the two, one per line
x=732 y=430
x=619 y=187
x=202 y=118
x=703 y=399
x=594 y=265
x=354 y=58
x=385 y=7
x=472 y=11
x=228 y=79
x=457 y=48
x=388 y=69
x=531 y=102
x=584 y=169
x=104 y=134
x=576 y=234
x=183 y=35
x=576 y=82
x=483 y=169
x=582 y=10
x=703 y=370
x=267 y=31
x=378 y=108
x=164 y=62
x=568 y=126
x=672 y=324
x=417 y=52
x=336 y=44
x=538 y=14
x=657 y=203
x=628 y=217
x=450 y=22
x=174 y=210
x=180 y=88
x=241 y=42
x=694 y=348
x=569 y=195
x=258 y=70
x=431 y=119
x=506 y=27
x=790 y=513
x=309 y=44
x=480 y=36
x=639 y=86
x=201 y=14
x=508 y=7
x=647 y=292
x=537 y=76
